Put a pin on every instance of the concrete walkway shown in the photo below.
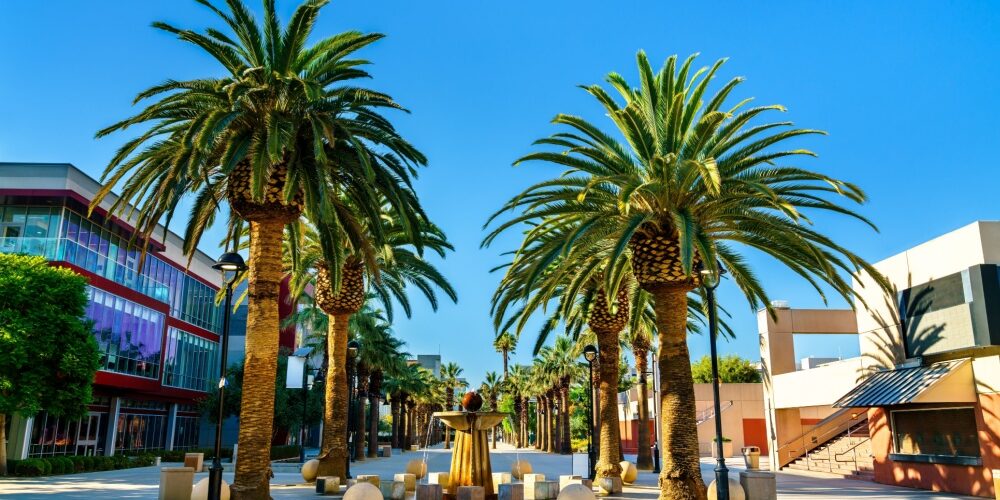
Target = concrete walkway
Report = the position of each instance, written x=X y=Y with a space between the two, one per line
x=142 y=483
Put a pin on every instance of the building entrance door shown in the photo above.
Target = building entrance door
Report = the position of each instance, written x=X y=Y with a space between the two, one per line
x=87 y=440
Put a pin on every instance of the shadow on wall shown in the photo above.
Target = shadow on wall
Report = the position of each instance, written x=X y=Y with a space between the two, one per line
x=888 y=345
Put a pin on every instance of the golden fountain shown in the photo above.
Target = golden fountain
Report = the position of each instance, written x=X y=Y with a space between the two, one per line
x=470 y=459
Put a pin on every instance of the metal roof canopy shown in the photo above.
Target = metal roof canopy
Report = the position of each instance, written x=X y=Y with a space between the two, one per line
x=943 y=382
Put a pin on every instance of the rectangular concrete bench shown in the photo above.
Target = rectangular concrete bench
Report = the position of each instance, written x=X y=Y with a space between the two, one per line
x=176 y=483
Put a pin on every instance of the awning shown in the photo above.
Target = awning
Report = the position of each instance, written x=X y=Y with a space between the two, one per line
x=943 y=382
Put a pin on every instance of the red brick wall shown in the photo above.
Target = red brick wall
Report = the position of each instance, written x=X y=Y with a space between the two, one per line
x=966 y=480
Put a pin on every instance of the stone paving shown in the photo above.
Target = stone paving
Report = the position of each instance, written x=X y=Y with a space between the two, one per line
x=142 y=483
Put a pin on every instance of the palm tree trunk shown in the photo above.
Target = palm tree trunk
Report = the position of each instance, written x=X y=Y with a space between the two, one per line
x=524 y=422
x=394 y=413
x=253 y=464
x=680 y=476
x=550 y=445
x=359 y=443
x=3 y=444
x=566 y=447
x=375 y=388
x=505 y=364
x=607 y=402
x=644 y=457
x=333 y=456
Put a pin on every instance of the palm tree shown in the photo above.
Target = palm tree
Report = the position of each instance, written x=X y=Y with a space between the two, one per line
x=694 y=185
x=505 y=344
x=490 y=389
x=280 y=134
x=640 y=340
x=562 y=360
x=516 y=386
x=449 y=375
x=380 y=353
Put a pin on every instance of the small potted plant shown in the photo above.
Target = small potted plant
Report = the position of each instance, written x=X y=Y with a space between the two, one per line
x=727 y=447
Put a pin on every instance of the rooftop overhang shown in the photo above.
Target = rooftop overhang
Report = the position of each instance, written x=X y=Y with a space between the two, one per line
x=943 y=382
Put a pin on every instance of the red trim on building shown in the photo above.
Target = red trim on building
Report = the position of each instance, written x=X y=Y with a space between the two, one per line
x=128 y=386
x=286 y=337
x=188 y=327
x=116 y=288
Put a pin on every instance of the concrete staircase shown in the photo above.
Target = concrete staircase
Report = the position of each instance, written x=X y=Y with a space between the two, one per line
x=848 y=455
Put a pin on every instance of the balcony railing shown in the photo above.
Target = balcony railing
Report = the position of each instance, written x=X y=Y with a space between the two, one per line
x=65 y=250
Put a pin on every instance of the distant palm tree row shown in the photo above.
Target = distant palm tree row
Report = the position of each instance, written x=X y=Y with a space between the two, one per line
x=313 y=181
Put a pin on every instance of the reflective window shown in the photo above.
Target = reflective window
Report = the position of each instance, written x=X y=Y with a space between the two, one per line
x=128 y=335
x=186 y=432
x=190 y=361
x=949 y=432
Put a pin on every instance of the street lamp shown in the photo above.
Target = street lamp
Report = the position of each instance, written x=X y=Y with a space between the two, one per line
x=352 y=357
x=710 y=279
x=230 y=264
x=590 y=354
x=307 y=385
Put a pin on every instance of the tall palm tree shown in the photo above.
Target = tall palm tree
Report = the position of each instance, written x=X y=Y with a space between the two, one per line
x=505 y=344
x=490 y=389
x=562 y=360
x=280 y=134
x=693 y=184
x=397 y=263
x=516 y=385
x=640 y=340
x=380 y=352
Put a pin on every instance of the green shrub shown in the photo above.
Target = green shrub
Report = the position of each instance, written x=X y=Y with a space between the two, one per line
x=67 y=465
x=31 y=467
x=143 y=460
x=79 y=463
x=12 y=467
x=89 y=463
x=56 y=466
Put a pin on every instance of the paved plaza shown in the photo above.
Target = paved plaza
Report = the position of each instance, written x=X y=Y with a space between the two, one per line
x=287 y=483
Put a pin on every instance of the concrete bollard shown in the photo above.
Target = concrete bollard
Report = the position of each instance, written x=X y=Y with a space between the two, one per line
x=327 y=485
x=176 y=483
x=510 y=491
x=385 y=451
x=431 y=491
x=500 y=478
x=609 y=486
x=471 y=493
x=372 y=479
x=363 y=491
x=735 y=490
x=576 y=491
x=407 y=479
x=759 y=485
x=195 y=461
x=200 y=491
x=440 y=478
x=565 y=481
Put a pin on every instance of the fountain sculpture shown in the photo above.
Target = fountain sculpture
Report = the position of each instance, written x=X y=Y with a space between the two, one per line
x=470 y=459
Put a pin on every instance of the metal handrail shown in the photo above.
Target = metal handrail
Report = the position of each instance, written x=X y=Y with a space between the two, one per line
x=829 y=427
x=707 y=414
x=853 y=448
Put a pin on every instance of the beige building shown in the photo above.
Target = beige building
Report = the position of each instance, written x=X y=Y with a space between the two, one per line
x=919 y=406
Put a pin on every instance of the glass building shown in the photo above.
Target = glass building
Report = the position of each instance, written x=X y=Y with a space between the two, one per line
x=154 y=312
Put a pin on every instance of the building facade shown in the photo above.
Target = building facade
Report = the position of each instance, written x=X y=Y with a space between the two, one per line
x=155 y=319
x=927 y=383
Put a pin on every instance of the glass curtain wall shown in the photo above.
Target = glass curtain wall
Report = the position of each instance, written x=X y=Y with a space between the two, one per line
x=190 y=361
x=129 y=335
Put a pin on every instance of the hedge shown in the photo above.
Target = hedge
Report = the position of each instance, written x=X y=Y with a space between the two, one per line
x=71 y=464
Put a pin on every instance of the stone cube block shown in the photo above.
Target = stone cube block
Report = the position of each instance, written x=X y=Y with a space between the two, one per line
x=441 y=478
x=327 y=485
x=609 y=486
x=532 y=478
x=471 y=493
x=176 y=483
x=398 y=490
x=511 y=491
x=370 y=478
x=500 y=478
x=541 y=490
x=759 y=485
x=431 y=491
x=194 y=460
x=409 y=480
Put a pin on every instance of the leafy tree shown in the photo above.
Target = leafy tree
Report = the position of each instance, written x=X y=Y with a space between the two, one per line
x=732 y=370
x=685 y=182
x=48 y=353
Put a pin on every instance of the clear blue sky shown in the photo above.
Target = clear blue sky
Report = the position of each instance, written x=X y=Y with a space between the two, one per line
x=906 y=90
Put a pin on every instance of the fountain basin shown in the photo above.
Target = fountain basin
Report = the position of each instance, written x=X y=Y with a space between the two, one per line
x=470 y=458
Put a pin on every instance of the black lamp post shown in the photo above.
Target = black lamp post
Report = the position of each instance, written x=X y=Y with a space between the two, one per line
x=230 y=264
x=710 y=279
x=590 y=354
x=352 y=357
x=307 y=385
